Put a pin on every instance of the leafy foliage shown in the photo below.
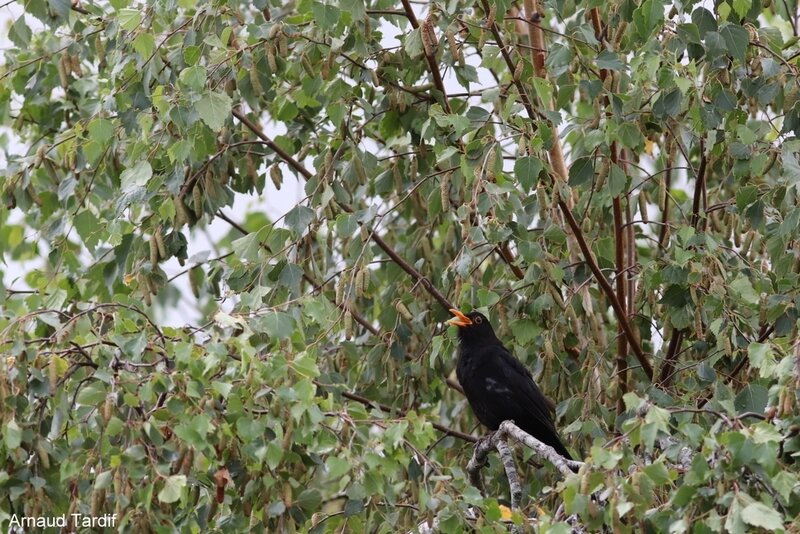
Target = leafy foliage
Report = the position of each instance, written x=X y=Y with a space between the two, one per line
x=624 y=207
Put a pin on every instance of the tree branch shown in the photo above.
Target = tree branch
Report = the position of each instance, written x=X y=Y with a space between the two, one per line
x=511 y=472
x=607 y=289
x=509 y=429
x=367 y=402
x=621 y=281
x=296 y=165
x=700 y=185
x=357 y=317
x=508 y=257
x=662 y=234
x=285 y=156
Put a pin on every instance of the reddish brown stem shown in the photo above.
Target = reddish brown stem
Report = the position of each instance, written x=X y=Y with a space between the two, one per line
x=700 y=186
x=671 y=359
x=605 y=285
x=508 y=257
x=430 y=56
x=621 y=281
x=367 y=402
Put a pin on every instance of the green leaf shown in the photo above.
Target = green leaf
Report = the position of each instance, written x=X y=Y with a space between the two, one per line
x=648 y=16
x=214 y=109
x=136 y=176
x=609 y=60
x=355 y=8
x=249 y=247
x=658 y=473
x=668 y=104
x=129 y=19
x=759 y=514
x=761 y=357
x=276 y=508
x=172 y=489
x=704 y=20
x=277 y=324
x=194 y=77
x=101 y=130
x=336 y=467
x=737 y=39
x=784 y=483
x=92 y=394
x=299 y=218
x=581 y=171
x=326 y=16
x=752 y=398
x=192 y=54
x=144 y=44
x=306 y=365
x=617 y=180
x=12 y=435
x=88 y=228
x=19 y=33
x=103 y=480
x=744 y=289
x=527 y=170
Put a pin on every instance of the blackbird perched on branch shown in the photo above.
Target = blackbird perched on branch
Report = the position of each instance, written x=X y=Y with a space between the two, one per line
x=497 y=385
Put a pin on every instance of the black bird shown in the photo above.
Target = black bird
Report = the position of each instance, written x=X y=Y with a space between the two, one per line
x=497 y=385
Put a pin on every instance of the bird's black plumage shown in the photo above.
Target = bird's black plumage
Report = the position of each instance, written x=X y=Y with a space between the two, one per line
x=497 y=385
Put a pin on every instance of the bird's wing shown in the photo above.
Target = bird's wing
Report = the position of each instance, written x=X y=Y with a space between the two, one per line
x=520 y=379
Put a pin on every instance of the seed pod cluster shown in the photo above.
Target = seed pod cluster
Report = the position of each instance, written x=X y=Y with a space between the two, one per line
x=44 y=457
x=444 y=189
x=255 y=82
x=108 y=407
x=160 y=244
x=491 y=163
x=490 y=17
x=698 y=325
x=403 y=311
x=306 y=64
x=542 y=200
x=153 y=252
x=327 y=166
x=52 y=372
x=662 y=193
x=145 y=289
x=269 y=50
x=549 y=354
x=100 y=49
x=196 y=275
x=359 y=282
x=428 y=36
x=455 y=50
x=63 y=67
x=276 y=175
x=197 y=200
x=348 y=324
x=643 y=206
x=748 y=242
x=341 y=288
x=620 y=33
x=518 y=69
x=182 y=213
x=361 y=172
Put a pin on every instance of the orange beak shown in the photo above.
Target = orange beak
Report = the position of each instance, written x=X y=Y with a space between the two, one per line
x=460 y=320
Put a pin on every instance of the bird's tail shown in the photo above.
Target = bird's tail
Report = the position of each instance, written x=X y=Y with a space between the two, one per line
x=562 y=450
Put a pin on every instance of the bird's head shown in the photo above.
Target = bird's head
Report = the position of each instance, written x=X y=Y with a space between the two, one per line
x=473 y=327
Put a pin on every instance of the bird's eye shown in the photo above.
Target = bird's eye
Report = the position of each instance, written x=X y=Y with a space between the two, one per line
x=478 y=319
